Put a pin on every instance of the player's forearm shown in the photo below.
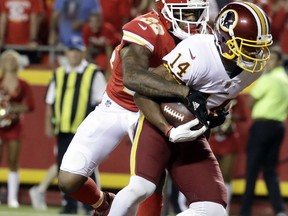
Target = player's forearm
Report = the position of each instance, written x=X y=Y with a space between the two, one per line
x=151 y=111
x=136 y=77
x=152 y=85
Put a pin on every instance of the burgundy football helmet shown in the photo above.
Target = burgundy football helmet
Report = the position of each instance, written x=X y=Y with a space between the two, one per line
x=242 y=33
x=184 y=17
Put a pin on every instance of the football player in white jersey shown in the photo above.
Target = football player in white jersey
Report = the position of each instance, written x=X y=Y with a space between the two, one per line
x=220 y=66
x=146 y=39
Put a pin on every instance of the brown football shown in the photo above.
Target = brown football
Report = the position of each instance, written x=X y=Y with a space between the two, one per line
x=177 y=114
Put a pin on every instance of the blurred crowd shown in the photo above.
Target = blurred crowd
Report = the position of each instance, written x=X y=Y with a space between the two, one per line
x=29 y=24
x=34 y=27
x=51 y=23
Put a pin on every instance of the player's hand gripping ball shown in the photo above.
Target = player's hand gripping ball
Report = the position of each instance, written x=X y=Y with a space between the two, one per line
x=177 y=114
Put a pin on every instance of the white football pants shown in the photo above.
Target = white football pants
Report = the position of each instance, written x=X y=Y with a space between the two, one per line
x=97 y=136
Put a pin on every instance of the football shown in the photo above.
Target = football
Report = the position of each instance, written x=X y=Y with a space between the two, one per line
x=177 y=114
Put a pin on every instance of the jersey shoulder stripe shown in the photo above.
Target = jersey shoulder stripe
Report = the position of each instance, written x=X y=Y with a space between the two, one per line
x=134 y=38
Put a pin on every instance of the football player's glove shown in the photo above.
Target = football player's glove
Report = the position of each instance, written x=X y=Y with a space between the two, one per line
x=183 y=133
x=196 y=103
x=217 y=119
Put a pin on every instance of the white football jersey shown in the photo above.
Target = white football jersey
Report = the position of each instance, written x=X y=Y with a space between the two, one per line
x=196 y=63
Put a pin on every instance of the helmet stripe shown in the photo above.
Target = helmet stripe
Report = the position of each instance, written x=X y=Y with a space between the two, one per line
x=262 y=17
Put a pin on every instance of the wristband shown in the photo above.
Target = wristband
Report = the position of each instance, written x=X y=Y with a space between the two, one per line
x=168 y=130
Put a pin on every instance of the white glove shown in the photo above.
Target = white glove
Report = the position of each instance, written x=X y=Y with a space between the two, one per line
x=183 y=133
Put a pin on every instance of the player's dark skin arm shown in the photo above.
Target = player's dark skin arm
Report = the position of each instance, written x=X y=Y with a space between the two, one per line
x=150 y=108
x=135 y=63
x=151 y=111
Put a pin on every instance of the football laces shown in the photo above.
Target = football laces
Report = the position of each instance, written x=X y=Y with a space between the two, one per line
x=173 y=113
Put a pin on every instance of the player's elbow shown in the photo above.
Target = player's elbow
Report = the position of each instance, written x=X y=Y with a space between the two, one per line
x=130 y=81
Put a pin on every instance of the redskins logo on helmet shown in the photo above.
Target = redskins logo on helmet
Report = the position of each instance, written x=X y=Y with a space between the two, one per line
x=242 y=33
x=228 y=20
x=184 y=17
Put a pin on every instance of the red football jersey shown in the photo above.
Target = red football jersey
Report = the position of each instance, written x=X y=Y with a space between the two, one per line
x=18 y=23
x=147 y=31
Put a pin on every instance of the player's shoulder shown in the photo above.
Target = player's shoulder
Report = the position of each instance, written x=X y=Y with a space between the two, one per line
x=197 y=44
x=147 y=24
x=198 y=40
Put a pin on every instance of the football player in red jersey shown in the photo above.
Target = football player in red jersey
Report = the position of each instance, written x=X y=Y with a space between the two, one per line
x=220 y=67
x=146 y=39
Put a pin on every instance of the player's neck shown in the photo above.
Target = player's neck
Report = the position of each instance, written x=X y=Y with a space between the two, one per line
x=231 y=67
x=176 y=39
